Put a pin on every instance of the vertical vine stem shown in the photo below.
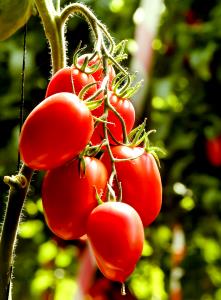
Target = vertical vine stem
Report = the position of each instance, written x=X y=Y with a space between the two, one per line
x=18 y=189
x=54 y=32
x=19 y=184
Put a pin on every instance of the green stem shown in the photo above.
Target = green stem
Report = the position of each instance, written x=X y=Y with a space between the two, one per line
x=18 y=189
x=96 y=25
x=54 y=31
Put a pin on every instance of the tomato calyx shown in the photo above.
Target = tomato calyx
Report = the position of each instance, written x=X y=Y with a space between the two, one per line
x=88 y=63
x=119 y=51
x=122 y=85
x=97 y=98
x=140 y=137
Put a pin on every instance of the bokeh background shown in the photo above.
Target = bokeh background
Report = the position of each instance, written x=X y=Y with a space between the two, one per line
x=176 y=47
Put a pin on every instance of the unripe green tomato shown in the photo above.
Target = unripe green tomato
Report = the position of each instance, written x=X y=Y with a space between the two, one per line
x=13 y=15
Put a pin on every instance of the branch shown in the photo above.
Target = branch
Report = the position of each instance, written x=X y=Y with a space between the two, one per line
x=18 y=190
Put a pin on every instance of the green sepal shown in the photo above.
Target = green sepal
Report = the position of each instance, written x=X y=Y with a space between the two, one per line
x=137 y=134
x=84 y=90
x=85 y=66
x=98 y=198
x=119 y=51
x=94 y=104
x=122 y=85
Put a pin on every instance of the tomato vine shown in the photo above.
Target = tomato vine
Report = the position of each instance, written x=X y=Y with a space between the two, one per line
x=54 y=20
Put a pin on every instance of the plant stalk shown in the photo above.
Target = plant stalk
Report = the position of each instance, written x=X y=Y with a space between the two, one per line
x=18 y=190
x=19 y=184
x=54 y=32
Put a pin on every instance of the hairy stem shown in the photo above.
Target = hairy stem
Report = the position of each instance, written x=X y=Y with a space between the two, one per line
x=54 y=32
x=18 y=189
x=95 y=24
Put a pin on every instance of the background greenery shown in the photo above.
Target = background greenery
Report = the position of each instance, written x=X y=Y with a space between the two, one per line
x=182 y=103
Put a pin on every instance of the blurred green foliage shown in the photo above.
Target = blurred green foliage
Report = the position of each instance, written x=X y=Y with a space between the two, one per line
x=184 y=95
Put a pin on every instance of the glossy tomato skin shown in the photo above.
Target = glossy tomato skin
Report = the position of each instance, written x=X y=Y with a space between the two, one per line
x=116 y=235
x=55 y=131
x=213 y=149
x=68 y=196
x=98 y=74
x=125 y=108
x=140 y=180
x=71 y=80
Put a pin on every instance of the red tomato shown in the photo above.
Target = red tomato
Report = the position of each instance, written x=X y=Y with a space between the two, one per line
x=68 y=196
x=71 y=80
x=140 y=180
x=100 y=288
x=213 y=148
x=55 y=131
x=98 y=74
x=125 y=108
x=116 y=235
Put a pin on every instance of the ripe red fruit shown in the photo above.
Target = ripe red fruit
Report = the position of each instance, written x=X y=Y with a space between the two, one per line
x=140 y=180
x=213 y=148
x=71 y=80
x=69 y=195
x=55 y=131
x=116 y=235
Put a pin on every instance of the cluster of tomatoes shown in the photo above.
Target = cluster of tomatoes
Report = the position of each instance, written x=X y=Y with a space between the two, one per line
x=61 y=135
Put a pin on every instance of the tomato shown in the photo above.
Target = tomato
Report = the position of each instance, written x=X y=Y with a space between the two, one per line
x=125 y=108
x=115 y=232
x=98 y=74
x=72 y=80
x=213 y=149
x=100 y=288
x=140 y=180
x=55 y=131
x=68 y=196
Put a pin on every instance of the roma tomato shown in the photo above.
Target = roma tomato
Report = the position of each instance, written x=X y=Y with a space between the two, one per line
x=115 y=232
x=98 y=74
x=71 y=80
x=140 y=180
x=213 y=149
x=69 y=196
x=125 y=108
x=55 y=131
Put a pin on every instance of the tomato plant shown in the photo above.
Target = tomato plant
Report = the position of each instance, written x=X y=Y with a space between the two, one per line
x=126 y=110
x=116 y=234
x=50 y=134
x=72 y=80
x=213 y=149
x=57 y=137
x=140 y=180
x=69 y=195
